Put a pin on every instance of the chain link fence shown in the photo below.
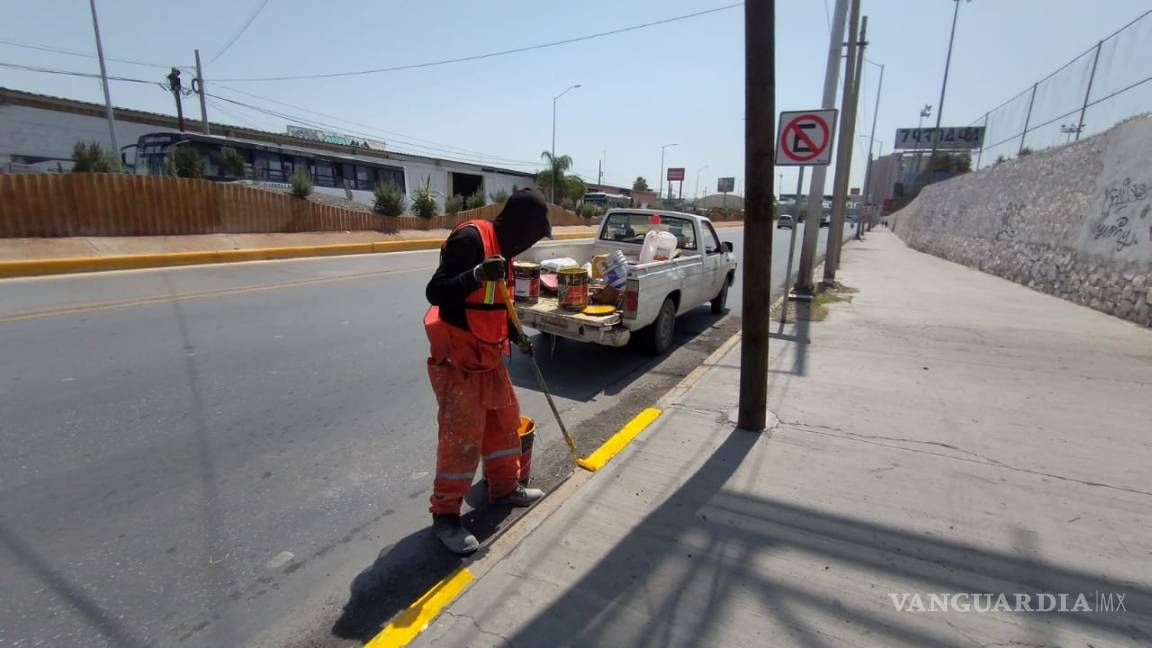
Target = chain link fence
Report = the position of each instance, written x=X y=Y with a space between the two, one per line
x=1104 y=85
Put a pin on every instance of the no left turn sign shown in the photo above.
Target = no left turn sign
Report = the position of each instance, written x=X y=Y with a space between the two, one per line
x=805 y=138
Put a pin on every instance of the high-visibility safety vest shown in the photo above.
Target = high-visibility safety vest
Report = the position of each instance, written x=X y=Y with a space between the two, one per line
x=484 y=308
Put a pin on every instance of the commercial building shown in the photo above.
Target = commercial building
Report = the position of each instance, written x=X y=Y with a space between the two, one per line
x=38 y=132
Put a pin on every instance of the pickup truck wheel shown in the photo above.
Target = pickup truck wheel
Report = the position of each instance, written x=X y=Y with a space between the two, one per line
x=658 y=336
x=719 y=302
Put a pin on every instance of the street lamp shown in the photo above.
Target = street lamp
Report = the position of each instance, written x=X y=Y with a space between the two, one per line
x=925 y=113
x=1070 y=130
x=661 y=194
x=943 y=88
x=554 y=179
x=697 y=194
x=872 y=140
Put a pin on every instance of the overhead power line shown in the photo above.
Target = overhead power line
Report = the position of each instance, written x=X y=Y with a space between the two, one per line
x=426 y=151
x=90 y=75
x=477 y=57
x=240 y=32
x=69 y=52
x=412 y=140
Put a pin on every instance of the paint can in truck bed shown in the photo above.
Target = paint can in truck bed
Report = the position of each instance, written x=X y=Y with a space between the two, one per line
x=527 y=434
x=527 y=277
x=572 y=287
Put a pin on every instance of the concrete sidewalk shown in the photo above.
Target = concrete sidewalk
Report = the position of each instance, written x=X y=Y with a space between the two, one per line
x=946 y=431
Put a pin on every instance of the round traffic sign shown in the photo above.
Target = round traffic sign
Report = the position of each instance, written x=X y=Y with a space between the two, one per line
x=805 y=137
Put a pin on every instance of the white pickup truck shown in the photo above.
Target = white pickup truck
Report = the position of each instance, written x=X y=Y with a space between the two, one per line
x=701 y=270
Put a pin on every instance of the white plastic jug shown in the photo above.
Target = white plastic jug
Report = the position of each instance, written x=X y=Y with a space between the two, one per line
x=658 y=246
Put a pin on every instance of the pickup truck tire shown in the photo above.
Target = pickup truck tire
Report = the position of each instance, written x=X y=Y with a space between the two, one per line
x=657 y=337
x=720 y=302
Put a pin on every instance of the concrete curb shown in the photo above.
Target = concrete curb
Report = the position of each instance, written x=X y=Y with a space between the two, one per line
x=71 y=265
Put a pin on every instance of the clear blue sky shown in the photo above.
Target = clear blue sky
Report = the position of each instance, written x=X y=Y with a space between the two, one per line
x=681 y=82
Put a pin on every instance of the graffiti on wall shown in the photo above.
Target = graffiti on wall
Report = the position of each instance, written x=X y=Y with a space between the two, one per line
x=1124 y=219
x=1009 y=221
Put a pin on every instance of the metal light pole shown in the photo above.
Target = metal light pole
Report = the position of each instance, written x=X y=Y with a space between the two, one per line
x=661 y=194
x=943 y=88
x=697 y=194
x=871 y=141
x=925 y=112
x=104 y=81
x=853 y=70
x=554 y=179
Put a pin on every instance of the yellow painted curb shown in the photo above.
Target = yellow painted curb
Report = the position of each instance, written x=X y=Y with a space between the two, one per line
x=411 y=622
x=621 y=439
x=70 y=265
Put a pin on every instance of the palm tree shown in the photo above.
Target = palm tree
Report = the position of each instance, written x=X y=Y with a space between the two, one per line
x=640 y=184
x=554 y=174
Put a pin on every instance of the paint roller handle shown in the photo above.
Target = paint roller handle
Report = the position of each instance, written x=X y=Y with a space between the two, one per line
x=503 y=288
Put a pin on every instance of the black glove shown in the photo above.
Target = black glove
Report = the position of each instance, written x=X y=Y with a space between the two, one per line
x=520 y=340
x=491 y=269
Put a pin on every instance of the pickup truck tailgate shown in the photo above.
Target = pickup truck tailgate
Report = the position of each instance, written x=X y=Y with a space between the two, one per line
x=547 y=316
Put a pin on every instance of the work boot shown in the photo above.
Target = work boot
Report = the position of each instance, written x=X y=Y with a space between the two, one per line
x=520 y=496
x=453 y=535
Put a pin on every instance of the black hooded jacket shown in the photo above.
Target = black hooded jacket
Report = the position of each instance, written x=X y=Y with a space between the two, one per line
x=522 y=222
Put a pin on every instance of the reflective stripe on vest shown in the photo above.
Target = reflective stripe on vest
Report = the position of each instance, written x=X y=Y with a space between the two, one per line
x=484 y=308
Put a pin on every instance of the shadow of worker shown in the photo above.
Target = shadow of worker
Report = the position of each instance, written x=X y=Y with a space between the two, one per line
x=404 y=571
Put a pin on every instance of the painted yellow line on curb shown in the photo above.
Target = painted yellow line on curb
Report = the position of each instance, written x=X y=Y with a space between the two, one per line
x=621 y=439
x=411 y=622
x=71 y=265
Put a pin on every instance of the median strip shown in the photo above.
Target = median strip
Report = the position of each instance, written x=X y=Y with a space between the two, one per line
x=72 y=265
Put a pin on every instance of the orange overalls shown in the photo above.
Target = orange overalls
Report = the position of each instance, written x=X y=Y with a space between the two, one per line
x=479 y=414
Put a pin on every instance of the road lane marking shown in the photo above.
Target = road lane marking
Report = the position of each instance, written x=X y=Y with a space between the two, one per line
x=163 y=299
x=621 y=439
x=411 y=622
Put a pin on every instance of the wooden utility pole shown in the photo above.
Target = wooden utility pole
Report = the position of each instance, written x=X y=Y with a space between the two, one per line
x=759 y=148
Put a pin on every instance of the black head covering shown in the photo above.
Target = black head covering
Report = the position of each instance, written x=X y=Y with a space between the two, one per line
x=522 y=222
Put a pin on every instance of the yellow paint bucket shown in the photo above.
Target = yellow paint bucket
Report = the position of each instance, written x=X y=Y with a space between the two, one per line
x=527 y=434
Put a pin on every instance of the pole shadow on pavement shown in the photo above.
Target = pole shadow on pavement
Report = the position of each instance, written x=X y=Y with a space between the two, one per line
x=98 y=616
x=628 y=598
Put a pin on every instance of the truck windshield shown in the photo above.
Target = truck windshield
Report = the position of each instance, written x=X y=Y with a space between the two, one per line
x=626 y=227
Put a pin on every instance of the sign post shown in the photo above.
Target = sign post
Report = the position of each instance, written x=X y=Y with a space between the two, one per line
x=725 y=186
x=805 y=139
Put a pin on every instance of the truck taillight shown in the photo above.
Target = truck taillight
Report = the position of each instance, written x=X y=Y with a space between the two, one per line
x=631 y=298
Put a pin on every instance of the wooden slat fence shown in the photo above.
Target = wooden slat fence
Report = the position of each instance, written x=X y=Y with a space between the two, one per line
x=106 y=204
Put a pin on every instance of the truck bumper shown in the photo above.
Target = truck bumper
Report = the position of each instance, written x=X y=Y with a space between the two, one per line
x=613 y=336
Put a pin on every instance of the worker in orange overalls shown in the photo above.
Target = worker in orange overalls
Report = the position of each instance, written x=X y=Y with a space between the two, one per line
x=468 y=328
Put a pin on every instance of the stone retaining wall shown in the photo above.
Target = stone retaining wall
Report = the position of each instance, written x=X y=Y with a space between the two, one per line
x=1073 y=221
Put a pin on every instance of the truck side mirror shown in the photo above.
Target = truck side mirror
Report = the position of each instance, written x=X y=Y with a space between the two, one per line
x=728 y=247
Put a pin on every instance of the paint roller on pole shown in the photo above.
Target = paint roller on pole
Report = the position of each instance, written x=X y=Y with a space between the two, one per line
x=540 y=379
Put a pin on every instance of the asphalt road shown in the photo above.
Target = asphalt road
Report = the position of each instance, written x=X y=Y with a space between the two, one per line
x=241 y=455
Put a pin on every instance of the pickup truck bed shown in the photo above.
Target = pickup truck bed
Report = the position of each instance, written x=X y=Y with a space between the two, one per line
x=699 y=272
